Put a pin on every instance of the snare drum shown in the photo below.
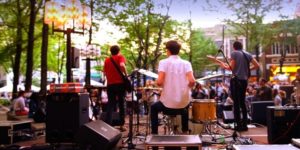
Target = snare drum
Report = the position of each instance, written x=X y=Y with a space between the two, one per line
x=204 y=110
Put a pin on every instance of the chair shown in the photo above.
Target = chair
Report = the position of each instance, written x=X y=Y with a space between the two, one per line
x=259 y=111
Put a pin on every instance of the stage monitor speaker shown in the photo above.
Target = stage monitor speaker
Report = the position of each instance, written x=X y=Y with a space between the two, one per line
x=283 y=124
x=98 y=135
x=65 y=114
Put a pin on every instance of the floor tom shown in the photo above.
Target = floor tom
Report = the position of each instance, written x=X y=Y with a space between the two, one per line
x=204 y=110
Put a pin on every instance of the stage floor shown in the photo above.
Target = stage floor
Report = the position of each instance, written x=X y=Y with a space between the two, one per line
x=215 y=139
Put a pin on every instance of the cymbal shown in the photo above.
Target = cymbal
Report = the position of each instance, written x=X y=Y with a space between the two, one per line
x=148 y=73
x=149 y=88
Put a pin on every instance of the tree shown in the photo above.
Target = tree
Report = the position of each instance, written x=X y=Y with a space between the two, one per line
x=249 y=19
x=144 y=29
x=201 y=47
x=29 y=68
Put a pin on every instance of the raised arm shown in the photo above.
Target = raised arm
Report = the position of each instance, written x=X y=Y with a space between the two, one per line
x=222 y=64
x=254 y=65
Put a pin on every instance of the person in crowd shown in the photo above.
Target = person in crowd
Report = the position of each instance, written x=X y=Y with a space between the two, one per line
x=224 y=94
x=240 y=66
x=296 y=82
x=19 y=106
x=33 y=104
x=115 y=84
x=277 y=98
x=212 y=92
x=199 y=92
x=176 y=78
x=280 y=97
x=104 y=100
x=264 y=92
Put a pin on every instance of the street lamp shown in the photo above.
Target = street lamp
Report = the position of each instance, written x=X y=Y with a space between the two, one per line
x=89 y=54
x=68 y=18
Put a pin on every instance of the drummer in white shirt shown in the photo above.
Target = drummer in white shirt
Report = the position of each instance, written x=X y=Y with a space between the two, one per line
x=176 y=78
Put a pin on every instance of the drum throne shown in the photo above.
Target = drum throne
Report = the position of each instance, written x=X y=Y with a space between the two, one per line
x=172 y=121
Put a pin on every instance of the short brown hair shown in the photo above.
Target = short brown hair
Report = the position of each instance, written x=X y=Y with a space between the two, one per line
x=237 y=45
x=173 y=46
x=114 y=50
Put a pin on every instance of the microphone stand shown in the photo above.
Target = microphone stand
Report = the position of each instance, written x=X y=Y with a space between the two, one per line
x=129 y=140
x=130 y=144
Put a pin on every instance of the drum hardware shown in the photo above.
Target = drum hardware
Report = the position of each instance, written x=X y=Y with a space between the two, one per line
x=204 y=112
x=149 y=102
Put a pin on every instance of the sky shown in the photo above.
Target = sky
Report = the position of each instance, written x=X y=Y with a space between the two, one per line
x=201 y=18
x=180 y=10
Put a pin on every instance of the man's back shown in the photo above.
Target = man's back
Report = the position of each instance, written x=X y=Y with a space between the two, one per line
x=176 y=93
x=241 y=68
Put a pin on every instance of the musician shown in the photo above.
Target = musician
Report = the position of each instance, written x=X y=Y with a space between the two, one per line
x=115 y=84
x=240 y=66
x=176 y=78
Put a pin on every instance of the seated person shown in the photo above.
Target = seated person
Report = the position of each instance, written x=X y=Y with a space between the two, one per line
x=198 y=92
x=19 y=106
x=175 y=76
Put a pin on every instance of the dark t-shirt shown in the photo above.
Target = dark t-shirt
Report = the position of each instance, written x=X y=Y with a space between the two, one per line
x=241 y=68
x=264 y=93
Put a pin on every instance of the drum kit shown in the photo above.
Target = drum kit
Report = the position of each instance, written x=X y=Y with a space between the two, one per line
x=203 y=111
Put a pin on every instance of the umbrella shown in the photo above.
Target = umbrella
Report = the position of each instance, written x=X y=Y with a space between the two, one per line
x=9 y=87
x=95 y=84
x=148 y=73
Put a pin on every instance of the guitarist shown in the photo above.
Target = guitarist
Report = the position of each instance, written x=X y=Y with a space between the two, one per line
x=240 y=66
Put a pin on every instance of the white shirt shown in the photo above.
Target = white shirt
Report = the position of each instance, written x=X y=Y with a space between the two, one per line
x=176 y=92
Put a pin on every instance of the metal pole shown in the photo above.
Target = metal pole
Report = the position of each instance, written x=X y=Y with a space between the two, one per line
x=69 y=56
x=88 y=72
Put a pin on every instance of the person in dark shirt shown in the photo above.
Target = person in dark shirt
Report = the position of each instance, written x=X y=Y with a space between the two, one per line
x=264 y=92
x=198 y=92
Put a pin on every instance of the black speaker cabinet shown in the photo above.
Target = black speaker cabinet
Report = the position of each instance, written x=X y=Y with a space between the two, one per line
x=98 y=135
x=65 y=114
x=283 y=124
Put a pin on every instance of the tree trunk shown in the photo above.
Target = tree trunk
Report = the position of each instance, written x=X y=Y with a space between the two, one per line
x=44 y=66
x=29 y=68
x=16 y=67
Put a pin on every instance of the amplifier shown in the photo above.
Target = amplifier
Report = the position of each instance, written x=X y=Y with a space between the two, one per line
x=65 y=114
x=283 y=124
